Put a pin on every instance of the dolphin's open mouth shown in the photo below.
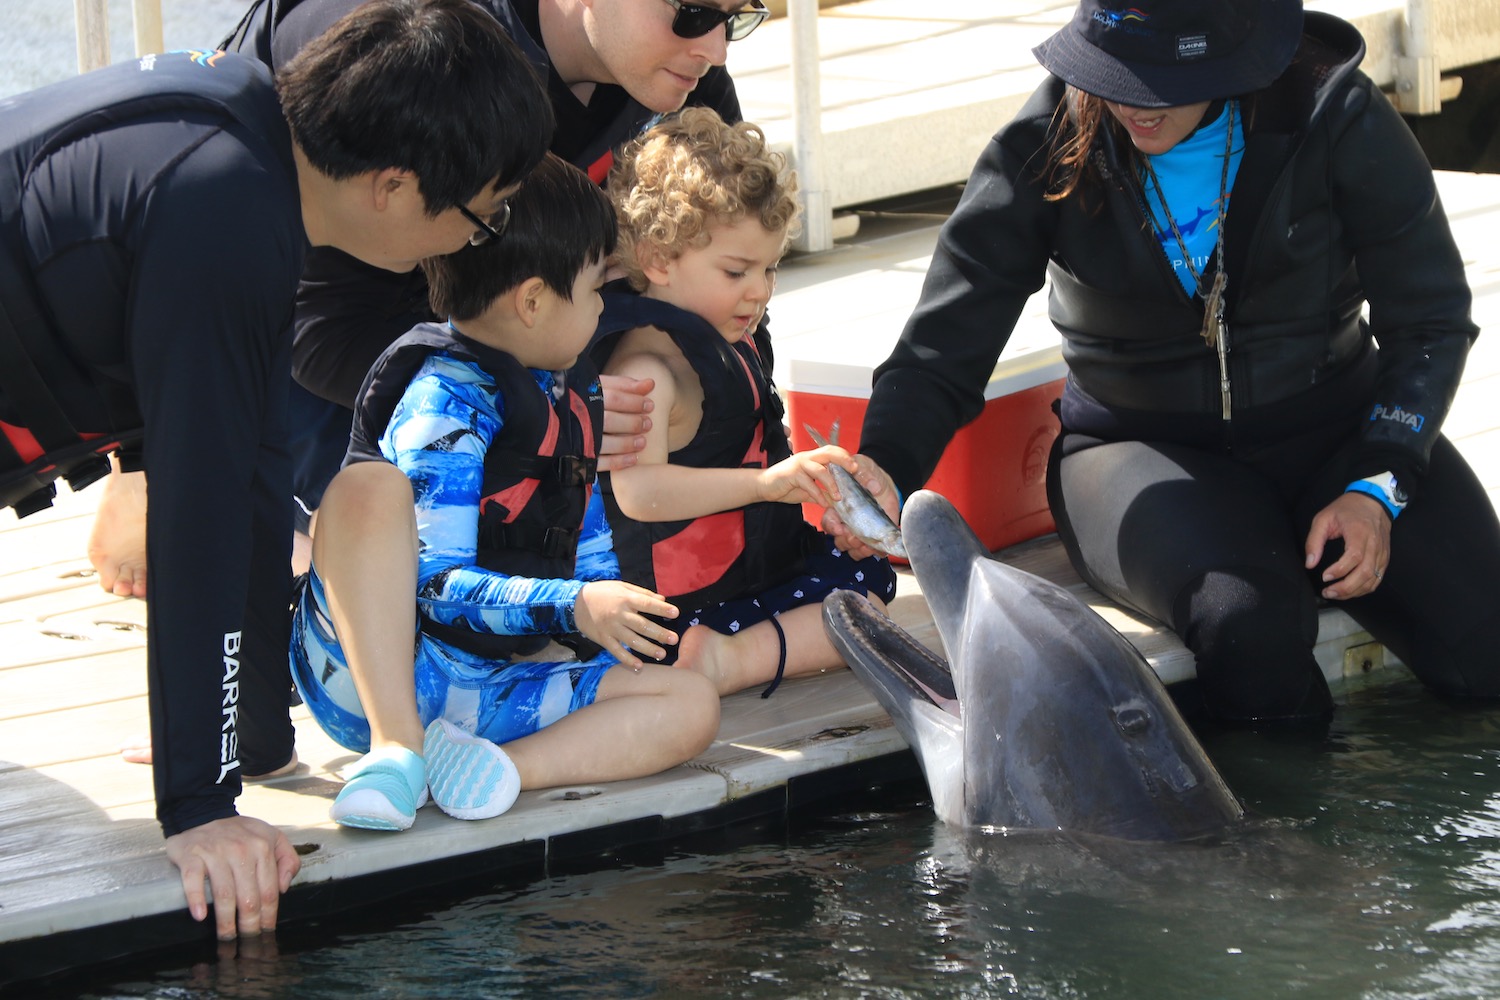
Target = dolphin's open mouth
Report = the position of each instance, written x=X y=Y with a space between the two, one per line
x=856 y=623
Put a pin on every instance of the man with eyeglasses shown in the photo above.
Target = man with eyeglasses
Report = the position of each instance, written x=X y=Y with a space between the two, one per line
x=491 y=229
x=610 y=68
x=154 y=219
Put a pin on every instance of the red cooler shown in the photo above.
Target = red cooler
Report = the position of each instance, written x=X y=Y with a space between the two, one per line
x=994 y=470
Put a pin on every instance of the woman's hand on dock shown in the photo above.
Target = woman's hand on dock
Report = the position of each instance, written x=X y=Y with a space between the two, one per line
x=248 y=864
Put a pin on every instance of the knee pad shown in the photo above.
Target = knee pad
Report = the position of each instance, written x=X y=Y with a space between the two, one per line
x=1252 y=632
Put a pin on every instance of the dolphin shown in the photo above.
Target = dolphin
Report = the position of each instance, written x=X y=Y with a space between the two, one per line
x=1043 y=718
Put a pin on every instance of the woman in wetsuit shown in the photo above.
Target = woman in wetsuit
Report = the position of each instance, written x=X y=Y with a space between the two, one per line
x=1217 y=194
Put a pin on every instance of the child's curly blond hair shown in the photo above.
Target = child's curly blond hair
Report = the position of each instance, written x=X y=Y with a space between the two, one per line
x=690 y=172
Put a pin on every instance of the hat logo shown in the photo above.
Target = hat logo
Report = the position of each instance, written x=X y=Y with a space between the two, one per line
x=1118 y=18
x=1192 y=46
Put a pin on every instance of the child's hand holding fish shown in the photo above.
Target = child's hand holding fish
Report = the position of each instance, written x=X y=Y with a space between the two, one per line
x=862 y=516
x=806 y=477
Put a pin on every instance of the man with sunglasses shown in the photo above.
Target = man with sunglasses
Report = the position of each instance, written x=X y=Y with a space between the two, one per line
x=610 y=68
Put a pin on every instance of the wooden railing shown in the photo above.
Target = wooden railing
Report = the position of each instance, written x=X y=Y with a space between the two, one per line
x=1418 y=86
x=92 y=20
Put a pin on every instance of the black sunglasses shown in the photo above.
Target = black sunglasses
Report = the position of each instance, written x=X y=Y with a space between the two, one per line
x=488 y=231
x=694 y=20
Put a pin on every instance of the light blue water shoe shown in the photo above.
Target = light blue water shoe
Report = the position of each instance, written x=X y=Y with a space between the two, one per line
x=385 y=789
x=470 y=777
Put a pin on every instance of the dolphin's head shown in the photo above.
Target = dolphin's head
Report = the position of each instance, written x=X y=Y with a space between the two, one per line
x=1065 y=724
x=1059 y=722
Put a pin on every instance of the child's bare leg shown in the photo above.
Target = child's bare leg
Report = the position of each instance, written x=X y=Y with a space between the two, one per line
x=117 y=543
x=749 y=657
x=365 y=551
x=640 y=724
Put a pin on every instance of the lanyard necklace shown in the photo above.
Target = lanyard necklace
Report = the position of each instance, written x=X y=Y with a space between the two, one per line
x=1215 y=332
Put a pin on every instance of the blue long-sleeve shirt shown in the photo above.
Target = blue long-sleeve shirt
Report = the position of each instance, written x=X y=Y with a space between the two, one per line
x=438 y=436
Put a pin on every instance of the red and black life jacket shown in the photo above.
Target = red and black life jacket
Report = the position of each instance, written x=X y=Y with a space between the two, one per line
x=733 y=554
x=58 y=417
x=538 y=472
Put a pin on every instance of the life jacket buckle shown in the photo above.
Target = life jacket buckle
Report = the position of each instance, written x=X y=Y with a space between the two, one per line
x=87 y=472
x=575 y=470
x=560 y=543
x=34 y=501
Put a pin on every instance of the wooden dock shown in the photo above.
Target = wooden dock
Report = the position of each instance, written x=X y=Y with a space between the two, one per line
x=83 y=873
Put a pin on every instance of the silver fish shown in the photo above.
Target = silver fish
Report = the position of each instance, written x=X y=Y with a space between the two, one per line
x=859 y=511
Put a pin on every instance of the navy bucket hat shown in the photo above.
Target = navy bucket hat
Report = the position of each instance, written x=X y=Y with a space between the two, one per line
x=1166 y=53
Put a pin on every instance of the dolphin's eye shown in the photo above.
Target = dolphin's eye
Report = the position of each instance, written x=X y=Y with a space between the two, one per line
x=1132 y=721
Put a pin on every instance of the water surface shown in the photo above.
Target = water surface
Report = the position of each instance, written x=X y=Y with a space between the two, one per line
x=1372 y=870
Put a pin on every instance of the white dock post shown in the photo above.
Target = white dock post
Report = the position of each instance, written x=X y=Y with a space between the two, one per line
x=807 y=126
x=91 y=21
x=1420 y=87
x=147 y=16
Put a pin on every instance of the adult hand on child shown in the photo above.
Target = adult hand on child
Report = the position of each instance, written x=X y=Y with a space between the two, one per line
x=805 y=478
x=613 y=614
x=248 y=863
x=1365 y=528
x=625 y=420
x=873 y=478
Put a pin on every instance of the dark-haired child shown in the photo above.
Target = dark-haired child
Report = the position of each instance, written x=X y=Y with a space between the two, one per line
x=486 y=429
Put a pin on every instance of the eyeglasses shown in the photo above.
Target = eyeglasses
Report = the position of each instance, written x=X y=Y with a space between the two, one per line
x=694 y=20
x=488 y=232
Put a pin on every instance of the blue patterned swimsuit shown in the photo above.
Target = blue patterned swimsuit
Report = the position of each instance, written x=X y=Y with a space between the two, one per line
x=438 y=435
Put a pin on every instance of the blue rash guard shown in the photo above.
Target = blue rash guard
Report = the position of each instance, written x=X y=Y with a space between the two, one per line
x=1192 y=192
x=438 y=435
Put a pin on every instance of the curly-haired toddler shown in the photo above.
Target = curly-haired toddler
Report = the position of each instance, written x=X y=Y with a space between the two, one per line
x=710 y=516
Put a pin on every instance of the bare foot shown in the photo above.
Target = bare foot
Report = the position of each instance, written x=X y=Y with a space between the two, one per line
x=279 y=772
x=117 y=545
x=710 y=653
x=137 y=750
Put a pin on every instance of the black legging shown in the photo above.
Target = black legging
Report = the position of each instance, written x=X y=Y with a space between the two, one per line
x=1213 y=546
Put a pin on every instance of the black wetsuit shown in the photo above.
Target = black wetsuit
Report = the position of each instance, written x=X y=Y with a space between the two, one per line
x=1163 y=503
x=348 y=312
x=149 y=255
